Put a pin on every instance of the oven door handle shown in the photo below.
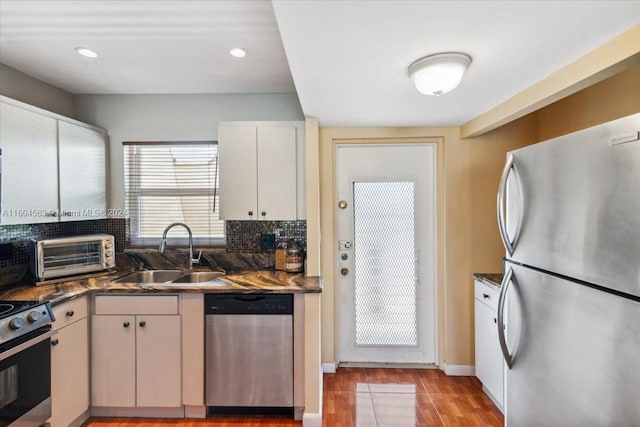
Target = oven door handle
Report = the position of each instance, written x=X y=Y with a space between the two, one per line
x=17 y=349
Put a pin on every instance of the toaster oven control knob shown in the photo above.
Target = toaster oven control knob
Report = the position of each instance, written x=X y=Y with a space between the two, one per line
x=109 y=253
x=16 y=323
x=108 y=246
x=33 y=317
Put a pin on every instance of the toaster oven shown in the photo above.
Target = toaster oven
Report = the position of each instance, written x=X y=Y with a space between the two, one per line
x=68 y=256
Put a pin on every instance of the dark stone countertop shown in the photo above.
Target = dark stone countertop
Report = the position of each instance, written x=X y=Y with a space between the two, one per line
x=494 y=279
x=236 y=280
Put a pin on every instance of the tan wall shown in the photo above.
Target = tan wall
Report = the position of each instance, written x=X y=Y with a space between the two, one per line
x=616 y=97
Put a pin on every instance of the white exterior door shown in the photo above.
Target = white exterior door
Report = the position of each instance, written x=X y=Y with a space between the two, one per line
x=386 y=210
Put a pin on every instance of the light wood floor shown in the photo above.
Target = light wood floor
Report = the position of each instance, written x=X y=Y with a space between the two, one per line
x=370 y=397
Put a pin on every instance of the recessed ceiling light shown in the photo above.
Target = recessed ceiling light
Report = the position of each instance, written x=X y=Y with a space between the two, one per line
x=238 y=52
x=86 y=52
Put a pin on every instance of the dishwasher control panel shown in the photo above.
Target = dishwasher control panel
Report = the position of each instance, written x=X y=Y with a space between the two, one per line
x=248 y=304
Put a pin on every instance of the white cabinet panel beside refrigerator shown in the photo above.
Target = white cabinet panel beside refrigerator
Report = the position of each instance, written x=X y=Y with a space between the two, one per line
x=489 y=363
x=572 y=284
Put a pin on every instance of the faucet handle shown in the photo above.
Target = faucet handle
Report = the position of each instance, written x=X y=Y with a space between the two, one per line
x=196 y=260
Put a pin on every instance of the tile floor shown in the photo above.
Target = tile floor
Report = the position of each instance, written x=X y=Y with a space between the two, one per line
x=385 y=397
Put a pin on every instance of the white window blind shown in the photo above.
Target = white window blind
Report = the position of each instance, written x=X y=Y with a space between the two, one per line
x=166 y=182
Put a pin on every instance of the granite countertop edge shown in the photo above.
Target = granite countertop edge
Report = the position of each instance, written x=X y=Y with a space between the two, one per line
x=260 y=281
x=493 y=279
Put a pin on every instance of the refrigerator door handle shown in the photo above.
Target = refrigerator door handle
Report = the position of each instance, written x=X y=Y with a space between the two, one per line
x=508 y=358
x=509 y=243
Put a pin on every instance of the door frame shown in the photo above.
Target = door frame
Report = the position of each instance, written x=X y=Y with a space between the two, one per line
x=432 y=290
x=328 y=222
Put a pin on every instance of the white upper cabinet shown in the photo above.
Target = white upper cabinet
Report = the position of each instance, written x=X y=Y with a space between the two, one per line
x=53 y=168
x=29 y=192
x=238 y=172
x=82 y=172
x=276 y=173
x=261 y=173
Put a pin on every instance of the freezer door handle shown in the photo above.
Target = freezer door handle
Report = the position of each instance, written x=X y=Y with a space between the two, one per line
x=509 y=243
x=508 y=278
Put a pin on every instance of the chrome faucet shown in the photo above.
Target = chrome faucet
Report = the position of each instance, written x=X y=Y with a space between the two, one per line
x=163 y=244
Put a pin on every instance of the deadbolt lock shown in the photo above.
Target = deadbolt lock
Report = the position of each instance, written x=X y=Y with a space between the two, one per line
x=342 y=204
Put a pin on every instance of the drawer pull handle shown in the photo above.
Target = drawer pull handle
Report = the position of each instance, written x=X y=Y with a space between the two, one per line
x=485 y=296
x=142 y=324
x=70 y=313
x=125 y=324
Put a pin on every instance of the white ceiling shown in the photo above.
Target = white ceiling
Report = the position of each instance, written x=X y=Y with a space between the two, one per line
x=146 y=46
x=348 y=58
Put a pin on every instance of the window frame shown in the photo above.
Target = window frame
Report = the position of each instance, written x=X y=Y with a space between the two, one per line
x=129 y=167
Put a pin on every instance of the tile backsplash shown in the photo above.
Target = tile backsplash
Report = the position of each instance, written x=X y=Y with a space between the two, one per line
x=244 y=236
x=15 y=241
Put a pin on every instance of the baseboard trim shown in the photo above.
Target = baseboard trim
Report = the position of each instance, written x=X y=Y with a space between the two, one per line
x=329 y=368
x=460 y=370
x=191 y=411
x=81 y=419
x=100 y=411
x=312 y=419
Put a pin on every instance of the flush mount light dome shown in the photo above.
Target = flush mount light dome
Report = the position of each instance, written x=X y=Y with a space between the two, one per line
x=439 y=73
x=86 y=52
x=238 y=52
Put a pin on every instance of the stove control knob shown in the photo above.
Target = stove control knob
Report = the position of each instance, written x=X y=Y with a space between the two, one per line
x=33 y=317
x=16 y=323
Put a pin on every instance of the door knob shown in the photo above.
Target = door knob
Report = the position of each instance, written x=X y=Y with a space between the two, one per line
x=142 y=324
x=125 y=324
x=344 y=271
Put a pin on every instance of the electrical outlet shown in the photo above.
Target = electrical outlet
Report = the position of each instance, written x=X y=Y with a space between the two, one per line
x=268 y=241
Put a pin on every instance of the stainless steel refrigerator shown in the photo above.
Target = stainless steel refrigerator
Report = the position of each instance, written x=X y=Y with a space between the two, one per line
x=569 y=308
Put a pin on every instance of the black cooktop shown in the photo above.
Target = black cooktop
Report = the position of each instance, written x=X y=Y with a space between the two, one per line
x=8 y=308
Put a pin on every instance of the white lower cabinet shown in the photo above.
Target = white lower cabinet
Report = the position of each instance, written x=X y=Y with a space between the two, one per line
x=136 y=357
x=70 y=365
x=489 y=362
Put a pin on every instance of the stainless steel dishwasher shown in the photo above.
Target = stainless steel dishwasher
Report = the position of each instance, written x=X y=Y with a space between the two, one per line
x=249 y=352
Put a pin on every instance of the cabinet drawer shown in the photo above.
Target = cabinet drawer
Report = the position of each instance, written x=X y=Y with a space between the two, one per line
x=136 y=304
x=487 y=294
x=69 y=312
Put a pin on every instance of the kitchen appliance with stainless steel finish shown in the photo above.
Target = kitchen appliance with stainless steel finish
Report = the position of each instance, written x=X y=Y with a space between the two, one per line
x=249 y=353
x=25 y=363
x=569 y=307
x=67 y=256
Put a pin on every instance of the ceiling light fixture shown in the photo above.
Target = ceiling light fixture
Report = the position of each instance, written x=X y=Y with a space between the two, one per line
x=439 y=73
x=238 y=52
x=86 y=52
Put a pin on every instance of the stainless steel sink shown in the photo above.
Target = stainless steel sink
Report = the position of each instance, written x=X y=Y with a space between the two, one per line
x=150 y=276
x=200 y=277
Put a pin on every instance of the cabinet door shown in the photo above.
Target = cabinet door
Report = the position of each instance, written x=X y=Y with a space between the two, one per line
x=277 y=173
x=29 y=192
x=83 y=188
x=113 y=361
x=238 y=172
x=489 y=365
x=70 y=373
x=158 y=358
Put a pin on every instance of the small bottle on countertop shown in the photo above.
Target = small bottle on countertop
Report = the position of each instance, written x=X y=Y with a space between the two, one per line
x=281 y=257
x=295 y=259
